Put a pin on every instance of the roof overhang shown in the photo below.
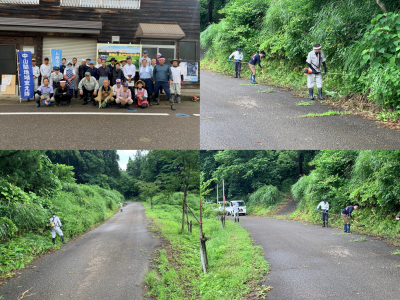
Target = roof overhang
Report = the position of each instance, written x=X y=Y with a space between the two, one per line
x=50 y=25
x=159 y=31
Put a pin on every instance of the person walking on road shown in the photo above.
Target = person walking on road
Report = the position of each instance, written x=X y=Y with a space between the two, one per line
x=314 y=60
x=238 y=57
x=121 y=207
x=346 y=213
x=256 y=59
x=324 y=208
x=235 y=211
x=56 y=225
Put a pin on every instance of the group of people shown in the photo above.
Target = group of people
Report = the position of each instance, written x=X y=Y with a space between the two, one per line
x=105 y=85
x=346 y=214
x=314 y=71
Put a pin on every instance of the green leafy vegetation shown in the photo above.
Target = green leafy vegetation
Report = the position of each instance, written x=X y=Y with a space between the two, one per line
x=326 y=114
x=360 y=42
x=235 y=266
x=305 y=103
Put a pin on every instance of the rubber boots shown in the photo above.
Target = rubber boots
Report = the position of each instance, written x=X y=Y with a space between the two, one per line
x=236 y=76
x=150 y=100
x=345 y=228
x=235 y=220
x=62 y=237
x=348 y=228
x=320 y=94
x=323 y=223
x=238 y=219
x=311 y=91
x=178 y=98
x=253 y=79
x=171 y=101
x=54 y=241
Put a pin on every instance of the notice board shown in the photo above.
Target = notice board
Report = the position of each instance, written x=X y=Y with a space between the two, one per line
x=8 y=84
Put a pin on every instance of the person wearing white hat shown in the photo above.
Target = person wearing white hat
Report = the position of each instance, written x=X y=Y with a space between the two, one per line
x=314 y=60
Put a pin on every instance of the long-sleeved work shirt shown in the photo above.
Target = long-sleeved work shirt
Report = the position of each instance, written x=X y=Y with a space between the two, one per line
x=348 y=210
x=162 y=73
x=237 y=55
x=256 y=59
x=323 y=205
x=121 y=94
x=129 y=70
x=146 y=72
x=90 y=85
x=45 y=70
x=56 y=221
x=45 y=90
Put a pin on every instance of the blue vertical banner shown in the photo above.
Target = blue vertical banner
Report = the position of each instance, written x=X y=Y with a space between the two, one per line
x=56 y=55
x=25 y=74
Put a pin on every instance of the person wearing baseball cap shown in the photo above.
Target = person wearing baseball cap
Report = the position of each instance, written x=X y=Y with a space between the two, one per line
x=324 y=209
x=124 y=96
x=146 y=57
x=88 y=87
x=161 y=75
x=116 y=87
x=177 y=75
x=45 y=69
x=314 y=60
x=92 y=70
x=56 y=77
x=36 y=74
x=238 y=57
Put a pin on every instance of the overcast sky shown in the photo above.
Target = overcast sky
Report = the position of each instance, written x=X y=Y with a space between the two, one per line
x=124 y=157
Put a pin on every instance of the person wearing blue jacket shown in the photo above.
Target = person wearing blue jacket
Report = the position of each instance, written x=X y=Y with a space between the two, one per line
x=256 y=59
x=346 y=213
x=93 y=71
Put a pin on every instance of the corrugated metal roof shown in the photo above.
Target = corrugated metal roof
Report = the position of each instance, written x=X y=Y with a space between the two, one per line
x=50 y=23
x=148 y=30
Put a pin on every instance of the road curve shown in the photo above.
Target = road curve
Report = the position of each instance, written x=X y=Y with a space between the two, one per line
x=240 y=117
x=109 y=262
x=309 y=262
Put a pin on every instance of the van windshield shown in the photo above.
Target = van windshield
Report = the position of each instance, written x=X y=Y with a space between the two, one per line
x=239 y=203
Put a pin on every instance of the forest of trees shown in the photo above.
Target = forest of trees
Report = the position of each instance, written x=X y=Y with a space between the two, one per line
x=360 y=42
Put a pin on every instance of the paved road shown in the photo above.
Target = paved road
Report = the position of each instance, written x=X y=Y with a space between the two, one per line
x=235 y=116
x=106 y=263
x=25 y=127
x=308 y=262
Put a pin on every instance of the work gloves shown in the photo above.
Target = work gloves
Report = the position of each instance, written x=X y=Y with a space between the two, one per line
x=325 y=211
x=317 y=209
x=229 y=59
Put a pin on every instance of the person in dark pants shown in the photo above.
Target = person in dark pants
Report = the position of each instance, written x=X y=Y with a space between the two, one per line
x=88 y=87
x=346 y=213
x=117 y=74
x=112 y=66
x=324 y=208
x=93 y=71
x=63 y=66
x=238 y=57
x=161 y=75
x=62 y=93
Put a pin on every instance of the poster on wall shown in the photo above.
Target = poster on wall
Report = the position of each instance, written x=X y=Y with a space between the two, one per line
x=56 y=56
x=120 y=51
x=190 y=71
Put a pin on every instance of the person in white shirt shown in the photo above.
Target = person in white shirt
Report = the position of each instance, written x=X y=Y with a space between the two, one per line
x=123 y=64
x=36 y=74
x=177 y=75
x=120 y=206
x=45 y=69
x=56 y=225
x=98 y=63
x=129 y=73
x=235 y=211
x=324 y=208
x=238 y=57
x=146 y=57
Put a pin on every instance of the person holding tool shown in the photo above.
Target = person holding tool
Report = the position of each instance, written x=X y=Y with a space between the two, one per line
x=346 y=213
x=314 y=60
x=256 y=59
x=238 y=57
x=324 y=209
x=56 y=225
x=235 y=211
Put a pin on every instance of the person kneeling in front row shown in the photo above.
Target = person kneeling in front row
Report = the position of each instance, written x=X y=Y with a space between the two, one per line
x=141 y=94
x=62 y=93
x=124 y=96
x=105 y=95
x=44 y=93
x=88 y=87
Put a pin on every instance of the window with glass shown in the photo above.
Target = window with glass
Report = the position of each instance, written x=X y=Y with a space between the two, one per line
x=34 y=2
x=188 y=51
x=116 y=4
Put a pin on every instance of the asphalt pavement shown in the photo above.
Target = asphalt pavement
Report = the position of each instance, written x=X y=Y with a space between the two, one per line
x=109 y=262
x=25 y=127
x=235 y=115
x=311 y=262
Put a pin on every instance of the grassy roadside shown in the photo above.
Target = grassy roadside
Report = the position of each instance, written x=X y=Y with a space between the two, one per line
x=288 y=78
x=235 y=265
x=20 y=251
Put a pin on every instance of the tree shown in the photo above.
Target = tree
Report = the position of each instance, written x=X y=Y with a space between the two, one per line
x=149 y=189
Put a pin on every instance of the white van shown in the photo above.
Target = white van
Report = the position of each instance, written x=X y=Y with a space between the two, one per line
x=229 y=206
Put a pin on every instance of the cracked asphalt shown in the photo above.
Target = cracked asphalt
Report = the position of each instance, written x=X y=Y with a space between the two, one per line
x=108 y=262
x=237 y=116
x=311 y=262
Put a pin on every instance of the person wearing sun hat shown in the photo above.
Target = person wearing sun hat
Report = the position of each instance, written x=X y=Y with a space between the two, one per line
x=161 y=75
x=45 y=69
x=177 y=75
x=88 y=87
x=124 y=96
x=141 y=94
x=62 y=93
x=69 y=76
x=123 y=64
